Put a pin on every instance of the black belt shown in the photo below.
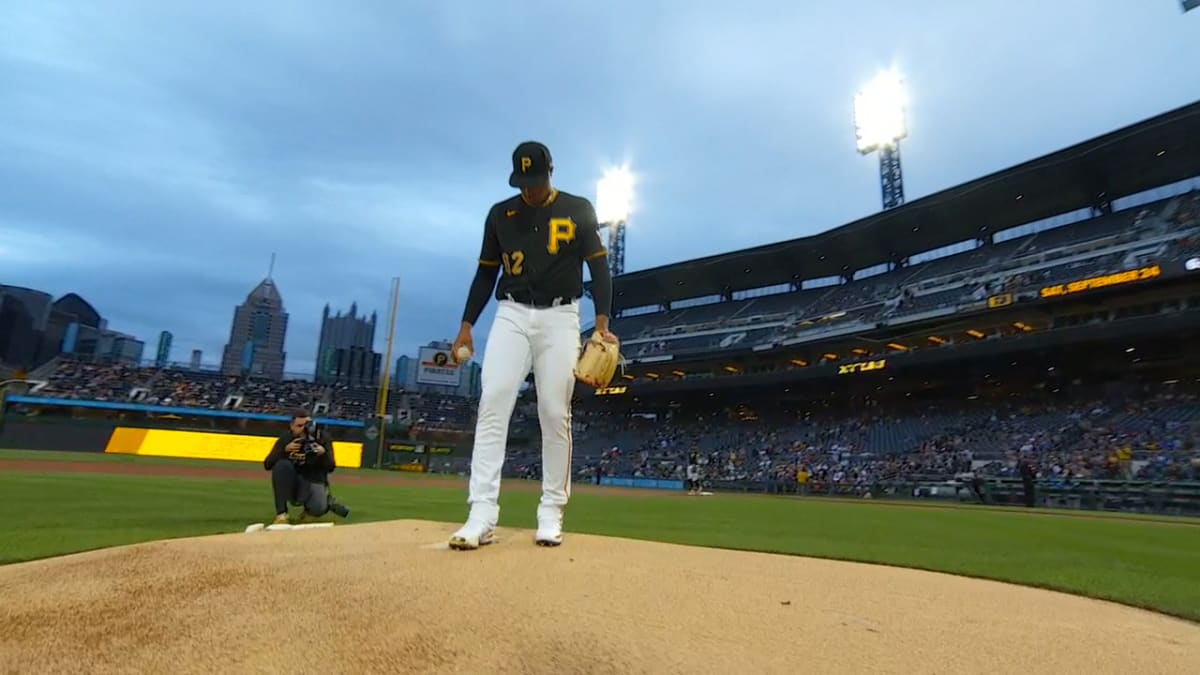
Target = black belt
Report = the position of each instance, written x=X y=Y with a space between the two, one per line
x=538 y=302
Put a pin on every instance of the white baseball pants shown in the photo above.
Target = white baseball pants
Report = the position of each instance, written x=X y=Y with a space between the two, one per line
x=546 y=339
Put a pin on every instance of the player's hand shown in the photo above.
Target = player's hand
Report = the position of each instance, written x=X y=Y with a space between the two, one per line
x=602 y=329
x=464 y=339
x=294 y=446
x=318 y=449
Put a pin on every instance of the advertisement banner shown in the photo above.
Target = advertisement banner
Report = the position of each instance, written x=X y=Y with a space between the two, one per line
x=434 y=366
x=1102 y=281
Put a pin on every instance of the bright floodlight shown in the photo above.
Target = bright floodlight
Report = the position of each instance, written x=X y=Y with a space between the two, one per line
x=879 y=112
x=614 y=195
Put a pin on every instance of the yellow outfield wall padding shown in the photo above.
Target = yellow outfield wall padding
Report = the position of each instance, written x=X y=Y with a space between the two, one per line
x=125 y=441
x=347 y=454
x=200 y=445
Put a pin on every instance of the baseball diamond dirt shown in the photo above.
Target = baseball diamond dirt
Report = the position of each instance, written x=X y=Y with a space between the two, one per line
x=391 y=597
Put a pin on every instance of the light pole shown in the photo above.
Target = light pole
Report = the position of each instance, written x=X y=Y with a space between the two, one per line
x=879 y=124
x=614 y=200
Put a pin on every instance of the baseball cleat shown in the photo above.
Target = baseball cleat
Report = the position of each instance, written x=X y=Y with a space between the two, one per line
x=471 y=536
x=549 y=530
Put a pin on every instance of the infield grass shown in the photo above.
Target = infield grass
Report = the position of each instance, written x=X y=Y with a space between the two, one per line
x=1151 y=564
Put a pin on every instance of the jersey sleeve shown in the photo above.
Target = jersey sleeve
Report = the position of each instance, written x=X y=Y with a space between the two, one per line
x=589 y=233
x=489 y=252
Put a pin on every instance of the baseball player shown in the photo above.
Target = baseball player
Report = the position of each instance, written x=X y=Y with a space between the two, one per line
x=538 y=241
x=693 y=472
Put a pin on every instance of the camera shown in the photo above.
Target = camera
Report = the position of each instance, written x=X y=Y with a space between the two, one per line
x=311 y=436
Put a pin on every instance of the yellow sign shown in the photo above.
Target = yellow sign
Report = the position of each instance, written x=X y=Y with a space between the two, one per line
x=1103 y=281
x=1003 y=300
x=609 y=391
x=199 y=445
x=439 y=450
x=862 y=367
x=410 y=468
x=401 y=447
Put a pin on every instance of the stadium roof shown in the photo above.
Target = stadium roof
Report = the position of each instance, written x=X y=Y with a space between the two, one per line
x=1152 y=153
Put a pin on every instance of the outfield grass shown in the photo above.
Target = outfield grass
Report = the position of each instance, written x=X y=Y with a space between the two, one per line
x=1147 y=564
x=118 y=459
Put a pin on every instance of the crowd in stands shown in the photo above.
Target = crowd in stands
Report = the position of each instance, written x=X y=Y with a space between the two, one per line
x=1139 y=434
x=93 y=382
x=1155 y=436
x=187 y=388
x=443 y=413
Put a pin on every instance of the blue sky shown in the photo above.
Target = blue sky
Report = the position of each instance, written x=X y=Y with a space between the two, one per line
x=153 y=155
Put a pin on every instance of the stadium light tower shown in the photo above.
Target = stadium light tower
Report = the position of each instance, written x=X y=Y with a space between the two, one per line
x=614 y=201
x=879 y=124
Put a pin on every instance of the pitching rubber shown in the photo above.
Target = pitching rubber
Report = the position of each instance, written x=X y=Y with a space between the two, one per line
x=259 y=527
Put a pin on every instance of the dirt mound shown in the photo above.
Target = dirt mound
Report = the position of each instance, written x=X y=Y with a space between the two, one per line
x=390 y=597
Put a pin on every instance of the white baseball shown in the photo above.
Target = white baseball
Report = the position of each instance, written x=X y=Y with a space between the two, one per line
x=462 y=354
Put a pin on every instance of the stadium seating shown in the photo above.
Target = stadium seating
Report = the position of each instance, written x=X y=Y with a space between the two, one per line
x=1137 y=434
x=1082 y=439
x=1145 y=433
x=1095 y=246
x=187 y=388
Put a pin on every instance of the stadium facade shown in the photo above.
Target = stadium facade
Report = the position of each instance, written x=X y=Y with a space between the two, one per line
x=1002 y=259
x=35 y=328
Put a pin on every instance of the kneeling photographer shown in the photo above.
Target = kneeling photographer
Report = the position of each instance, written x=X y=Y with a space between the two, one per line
x=300 y=466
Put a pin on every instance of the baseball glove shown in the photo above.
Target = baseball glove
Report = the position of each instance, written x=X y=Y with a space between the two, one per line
x=598 y=362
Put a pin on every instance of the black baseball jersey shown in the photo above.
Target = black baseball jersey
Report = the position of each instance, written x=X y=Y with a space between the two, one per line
x=541 y=249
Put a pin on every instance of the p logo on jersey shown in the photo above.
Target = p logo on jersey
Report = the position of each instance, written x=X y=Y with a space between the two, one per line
x=562 y=231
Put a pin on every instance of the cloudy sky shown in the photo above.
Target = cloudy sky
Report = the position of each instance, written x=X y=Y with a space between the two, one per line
x=153 y=155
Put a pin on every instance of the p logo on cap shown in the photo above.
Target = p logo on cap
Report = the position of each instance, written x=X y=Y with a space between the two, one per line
x=531 y=165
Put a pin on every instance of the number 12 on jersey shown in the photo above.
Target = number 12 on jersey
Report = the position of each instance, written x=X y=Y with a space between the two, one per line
x=514 y=264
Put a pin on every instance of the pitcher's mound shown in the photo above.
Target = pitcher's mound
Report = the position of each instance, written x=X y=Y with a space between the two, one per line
x=392 y=598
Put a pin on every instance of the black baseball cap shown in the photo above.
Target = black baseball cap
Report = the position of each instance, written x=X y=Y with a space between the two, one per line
x=531 y=165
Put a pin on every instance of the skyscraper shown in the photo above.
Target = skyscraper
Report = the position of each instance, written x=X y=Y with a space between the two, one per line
x=256 y=338
x=346 y=349
x=163 y=355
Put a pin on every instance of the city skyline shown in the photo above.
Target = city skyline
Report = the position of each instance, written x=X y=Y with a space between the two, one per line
x=165 y=352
